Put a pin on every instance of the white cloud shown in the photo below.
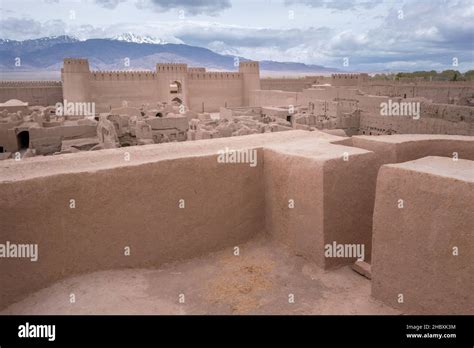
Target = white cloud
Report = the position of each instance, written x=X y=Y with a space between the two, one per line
x=189 y=7
x=110 y=4
x=428 y=36
x=341 y=5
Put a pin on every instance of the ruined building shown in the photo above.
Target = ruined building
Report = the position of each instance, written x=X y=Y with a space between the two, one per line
x=259 y=190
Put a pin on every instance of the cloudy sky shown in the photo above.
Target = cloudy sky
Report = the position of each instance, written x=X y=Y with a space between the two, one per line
x=369 y=35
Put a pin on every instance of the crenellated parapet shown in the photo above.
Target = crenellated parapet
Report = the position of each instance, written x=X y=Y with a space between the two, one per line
x=349 y=79
x=196 y=70
x=349 y=76
x=117 y=75
x=171 y=68
x=45 y=83
x=75 y=65
x=215 y=76
x=249 y=67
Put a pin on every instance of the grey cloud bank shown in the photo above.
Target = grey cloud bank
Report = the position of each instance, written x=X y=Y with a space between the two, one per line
x=373 y=35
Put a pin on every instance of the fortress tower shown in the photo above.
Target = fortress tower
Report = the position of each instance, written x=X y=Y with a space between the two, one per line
x=250 y=71
x=172 y=82
x=75 y=76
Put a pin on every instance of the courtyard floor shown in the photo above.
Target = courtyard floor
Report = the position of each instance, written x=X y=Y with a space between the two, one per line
x=264 y=279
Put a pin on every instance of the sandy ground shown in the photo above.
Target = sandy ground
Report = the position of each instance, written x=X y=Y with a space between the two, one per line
x=261 y=280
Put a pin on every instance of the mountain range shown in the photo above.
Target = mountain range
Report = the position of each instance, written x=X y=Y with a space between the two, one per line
x=143 y=52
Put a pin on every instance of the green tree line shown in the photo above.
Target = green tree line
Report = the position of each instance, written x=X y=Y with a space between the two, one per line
x=446 y=75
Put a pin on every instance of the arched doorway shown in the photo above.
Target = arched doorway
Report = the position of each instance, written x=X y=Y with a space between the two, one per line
x=23 y=139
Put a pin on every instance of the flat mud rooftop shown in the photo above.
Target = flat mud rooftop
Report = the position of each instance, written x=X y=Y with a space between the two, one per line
x=263 y=279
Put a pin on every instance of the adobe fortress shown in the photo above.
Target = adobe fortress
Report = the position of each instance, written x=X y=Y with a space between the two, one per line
x=179 y=103
x=194 y=87
x=225 y=192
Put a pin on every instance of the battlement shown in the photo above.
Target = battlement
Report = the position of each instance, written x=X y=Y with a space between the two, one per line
x=215 y=76
x=83 y=61
x=249 y=64
x=75 y=65
x=349 y=76
x=349 y=79
x=120 y=75
x=249 y=67
x=196 y=70
x=50 y=83
x=171 y=67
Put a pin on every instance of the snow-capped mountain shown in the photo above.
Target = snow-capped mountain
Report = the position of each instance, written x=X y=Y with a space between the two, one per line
x=34 y=44
x=47 y=53
x=131 y=37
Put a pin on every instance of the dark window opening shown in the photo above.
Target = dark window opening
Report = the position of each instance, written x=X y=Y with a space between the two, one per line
x=176 y=87
x=177 y=100
x=23 y=139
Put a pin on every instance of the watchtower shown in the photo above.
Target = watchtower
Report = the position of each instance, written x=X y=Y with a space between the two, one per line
x=250 y=71
x=75 y=76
